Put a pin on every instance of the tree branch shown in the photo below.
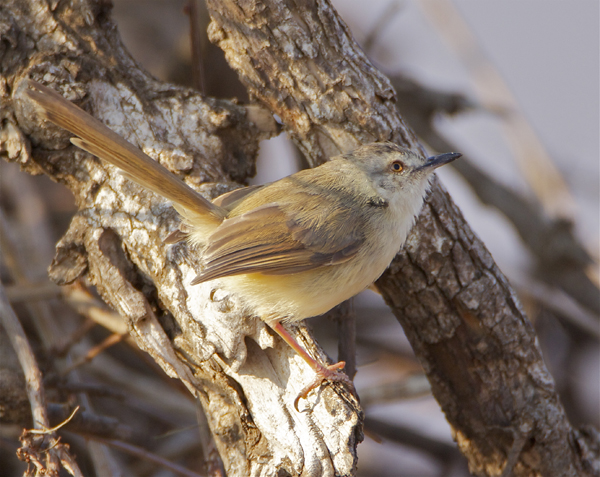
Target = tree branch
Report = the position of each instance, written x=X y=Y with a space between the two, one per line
x=458 y=311
x=197 y=334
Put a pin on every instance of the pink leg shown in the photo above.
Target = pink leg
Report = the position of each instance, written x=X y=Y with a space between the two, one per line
x=329 y=373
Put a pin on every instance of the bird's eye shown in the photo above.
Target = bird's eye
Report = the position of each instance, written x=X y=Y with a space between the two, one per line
x=396 y=166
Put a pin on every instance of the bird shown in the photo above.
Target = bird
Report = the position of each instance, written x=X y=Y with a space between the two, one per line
x=291 y=249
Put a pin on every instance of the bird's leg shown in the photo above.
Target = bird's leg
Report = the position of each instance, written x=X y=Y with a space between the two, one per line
x=329 y=373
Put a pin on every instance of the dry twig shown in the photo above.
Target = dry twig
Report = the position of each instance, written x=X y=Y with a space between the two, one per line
x=40 y=446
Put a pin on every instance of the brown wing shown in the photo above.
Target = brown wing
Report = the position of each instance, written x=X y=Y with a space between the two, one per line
x=230 y=199
x=226 y=201
x=274 y=241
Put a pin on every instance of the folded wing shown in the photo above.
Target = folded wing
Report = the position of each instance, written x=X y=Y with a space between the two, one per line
x=273 y=240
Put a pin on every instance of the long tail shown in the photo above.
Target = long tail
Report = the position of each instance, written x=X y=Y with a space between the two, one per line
x=97 y=139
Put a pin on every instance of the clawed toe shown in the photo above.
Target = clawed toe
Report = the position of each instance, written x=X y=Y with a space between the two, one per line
x=330 y=373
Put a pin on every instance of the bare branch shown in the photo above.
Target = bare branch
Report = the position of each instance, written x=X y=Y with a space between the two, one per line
x=463 y=320
x=33 y=449
x=116 y=241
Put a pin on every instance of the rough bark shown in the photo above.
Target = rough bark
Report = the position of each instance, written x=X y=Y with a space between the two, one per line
x=197 y=334
x=460 y=314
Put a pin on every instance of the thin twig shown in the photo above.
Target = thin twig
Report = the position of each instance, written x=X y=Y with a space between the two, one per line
x=35 y=392
x=408 y=387
x=560 y=302
x=443 y=451
x=383 y=20
x=196 y=38
x=515 y=451
x=91 y=424
x=96 y=350
x=82 y=330
x=33 y=376
x=77 y=296
x=25 y=292
x=144 y=454
x=346 y=321
x=535 y=163
x=57 y=427
x=562 y=260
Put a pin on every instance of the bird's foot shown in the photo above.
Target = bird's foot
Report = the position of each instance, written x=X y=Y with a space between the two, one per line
x=330 y=373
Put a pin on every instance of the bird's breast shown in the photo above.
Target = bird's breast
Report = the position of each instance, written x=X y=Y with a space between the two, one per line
x=294 y=297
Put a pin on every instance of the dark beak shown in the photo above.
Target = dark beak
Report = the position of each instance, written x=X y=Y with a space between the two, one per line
x=434 y=162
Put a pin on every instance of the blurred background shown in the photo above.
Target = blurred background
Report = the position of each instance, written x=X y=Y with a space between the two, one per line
x=513 y=85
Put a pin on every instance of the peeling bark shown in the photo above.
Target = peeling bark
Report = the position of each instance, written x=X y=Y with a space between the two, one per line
x=115 y=242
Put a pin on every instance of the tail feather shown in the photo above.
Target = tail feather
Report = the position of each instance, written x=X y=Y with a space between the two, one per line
x=97 y=139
